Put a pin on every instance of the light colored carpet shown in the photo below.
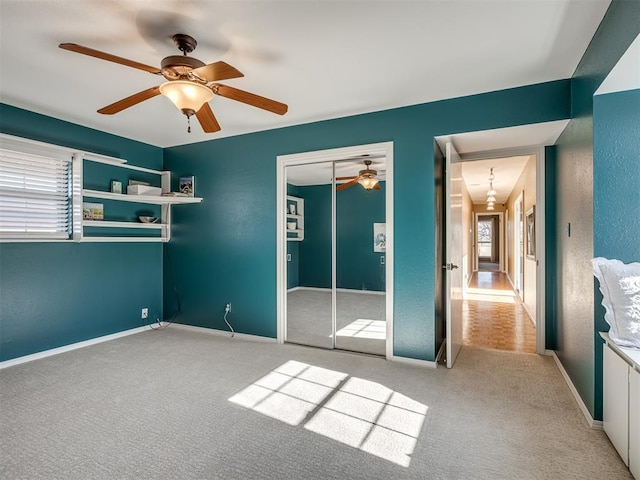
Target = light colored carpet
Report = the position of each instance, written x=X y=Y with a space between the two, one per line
x=360 y=320
x=156 y=405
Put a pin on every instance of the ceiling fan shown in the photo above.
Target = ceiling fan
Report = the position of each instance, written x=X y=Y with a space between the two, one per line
x=368 y=178
x=189 y=83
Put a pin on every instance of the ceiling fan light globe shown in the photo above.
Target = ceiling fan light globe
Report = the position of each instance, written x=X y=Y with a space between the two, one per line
x=186 y=96
x=368 y=182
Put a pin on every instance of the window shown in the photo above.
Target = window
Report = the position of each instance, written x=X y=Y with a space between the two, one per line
x=35 y=196
x=485 y=237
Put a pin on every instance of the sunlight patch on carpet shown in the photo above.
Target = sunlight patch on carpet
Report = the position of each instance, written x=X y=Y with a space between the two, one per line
x=357 y=412
x=364 y=328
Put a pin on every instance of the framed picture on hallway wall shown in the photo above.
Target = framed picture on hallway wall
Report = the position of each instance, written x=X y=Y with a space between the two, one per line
x=530 y=225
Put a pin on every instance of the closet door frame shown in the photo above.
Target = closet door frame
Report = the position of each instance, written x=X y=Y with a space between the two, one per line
x=331 y=155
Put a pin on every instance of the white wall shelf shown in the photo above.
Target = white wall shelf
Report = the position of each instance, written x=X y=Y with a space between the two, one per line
x=151 y=199
x=163 y=228
x=295 y=234
x=111 y=224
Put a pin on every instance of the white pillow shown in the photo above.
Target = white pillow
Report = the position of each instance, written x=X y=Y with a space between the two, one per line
x=620 y=287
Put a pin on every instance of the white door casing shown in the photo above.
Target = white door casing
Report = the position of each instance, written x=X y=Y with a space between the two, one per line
x=330 y=155
x=453 y=257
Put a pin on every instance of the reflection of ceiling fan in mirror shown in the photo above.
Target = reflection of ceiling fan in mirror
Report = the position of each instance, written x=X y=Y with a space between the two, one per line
x=189 y=83
x=368 y=178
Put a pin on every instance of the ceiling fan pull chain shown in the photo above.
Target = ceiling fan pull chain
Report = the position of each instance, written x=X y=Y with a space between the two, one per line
x=188 y=124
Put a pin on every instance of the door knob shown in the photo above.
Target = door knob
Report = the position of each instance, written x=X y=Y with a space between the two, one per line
x=449 y=266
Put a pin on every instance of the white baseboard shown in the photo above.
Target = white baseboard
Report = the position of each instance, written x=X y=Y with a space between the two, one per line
x=413 y=361
x=345 y=290
x=68 y=348
x=225 y=333
x=595 y=424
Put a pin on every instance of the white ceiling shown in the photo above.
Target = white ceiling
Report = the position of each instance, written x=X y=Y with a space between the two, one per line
x=325 y=59
x=625 y=75
x=506 y=171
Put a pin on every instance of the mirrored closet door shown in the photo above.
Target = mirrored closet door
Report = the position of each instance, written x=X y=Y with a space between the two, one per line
x=309 y=255
x=336 y=243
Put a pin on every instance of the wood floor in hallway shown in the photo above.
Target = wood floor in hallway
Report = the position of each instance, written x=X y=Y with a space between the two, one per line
x=493 y=315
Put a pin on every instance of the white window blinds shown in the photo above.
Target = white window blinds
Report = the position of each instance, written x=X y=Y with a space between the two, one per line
x=35 y=196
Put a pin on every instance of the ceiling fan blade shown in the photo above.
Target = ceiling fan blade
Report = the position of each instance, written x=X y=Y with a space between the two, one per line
x=346 y=178
x=217 y=71
x=73 y=47
x=376 y=186
x=249 y=98
x=347 y=185
x=130 y=101
x=207 y=119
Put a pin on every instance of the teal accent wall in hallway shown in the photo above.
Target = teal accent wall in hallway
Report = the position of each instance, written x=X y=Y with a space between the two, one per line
x=55 y=294
x=579 y=346
x=224 y=249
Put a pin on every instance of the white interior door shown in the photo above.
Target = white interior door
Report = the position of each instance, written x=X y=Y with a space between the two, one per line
x=453 y=257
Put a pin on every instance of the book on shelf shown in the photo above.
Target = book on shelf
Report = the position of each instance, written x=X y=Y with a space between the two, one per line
x=92 y=211
x=187 y=185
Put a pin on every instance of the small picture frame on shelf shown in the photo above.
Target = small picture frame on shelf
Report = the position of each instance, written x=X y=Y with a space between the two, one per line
x=116 y=187
x=187 y=186
x=92 y=211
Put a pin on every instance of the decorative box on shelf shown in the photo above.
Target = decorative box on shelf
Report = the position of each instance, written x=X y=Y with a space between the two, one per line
x=143 y=190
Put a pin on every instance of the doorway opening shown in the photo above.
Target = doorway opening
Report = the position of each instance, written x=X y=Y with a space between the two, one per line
x=495 y=310
x=335 y=256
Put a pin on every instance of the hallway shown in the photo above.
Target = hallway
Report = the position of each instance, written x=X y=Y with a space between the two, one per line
x=493 y=316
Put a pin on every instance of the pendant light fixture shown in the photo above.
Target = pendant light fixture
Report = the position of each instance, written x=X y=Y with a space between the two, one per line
x=491 y=193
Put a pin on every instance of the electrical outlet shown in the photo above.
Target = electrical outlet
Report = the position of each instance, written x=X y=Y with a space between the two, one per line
x=145 y=313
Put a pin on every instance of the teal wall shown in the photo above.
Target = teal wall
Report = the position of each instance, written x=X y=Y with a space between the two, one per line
x=314 y=268
x=55 y=294
x=616 y=176
x=551 y=280
x=358 y=267
x=579 y=346
x=616 y=193
x=225 y=248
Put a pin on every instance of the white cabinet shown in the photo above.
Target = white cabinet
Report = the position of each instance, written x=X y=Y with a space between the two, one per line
x=295 y=219
x=621 y=402
x=616 y=402
x=634 y=422
x=163 y=227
